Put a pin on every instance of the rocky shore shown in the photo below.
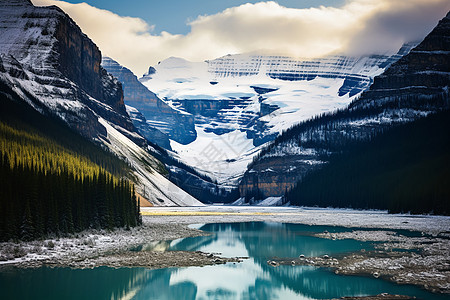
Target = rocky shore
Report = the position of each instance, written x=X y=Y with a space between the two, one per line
x=422 y=261
x=379 y=297
x=419 y=259
x=146 y=259
x=95 y=248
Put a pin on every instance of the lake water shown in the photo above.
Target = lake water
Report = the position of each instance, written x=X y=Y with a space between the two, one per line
x=251 y=279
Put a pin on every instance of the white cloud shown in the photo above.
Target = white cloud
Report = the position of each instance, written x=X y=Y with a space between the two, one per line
x=358 y=27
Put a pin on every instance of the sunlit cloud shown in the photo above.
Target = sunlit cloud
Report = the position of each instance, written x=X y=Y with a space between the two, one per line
x=358 y=27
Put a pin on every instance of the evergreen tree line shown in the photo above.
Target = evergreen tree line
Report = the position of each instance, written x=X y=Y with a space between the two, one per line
x=380 y=176
x=405 y=169
x=54 y=181
x=30 y=149
x=36 y=130
x=34 y=203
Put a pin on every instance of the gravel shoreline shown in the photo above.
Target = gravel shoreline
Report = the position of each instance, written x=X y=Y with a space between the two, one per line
x=428 y=267
x=88 y=249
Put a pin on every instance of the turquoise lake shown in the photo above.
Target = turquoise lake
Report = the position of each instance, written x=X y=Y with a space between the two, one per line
x=251 y=279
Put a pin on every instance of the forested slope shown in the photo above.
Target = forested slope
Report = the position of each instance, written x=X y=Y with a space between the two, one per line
x=55 y=181
x=404 y=169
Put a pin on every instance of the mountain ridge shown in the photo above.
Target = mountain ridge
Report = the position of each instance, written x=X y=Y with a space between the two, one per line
x=50 y=64
x=241 y=102
x=394 y=98
x=46 y=55
x=172 y=123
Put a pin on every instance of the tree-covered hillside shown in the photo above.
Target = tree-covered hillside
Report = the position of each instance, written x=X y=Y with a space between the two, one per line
x=404 y=169
x=55 y=181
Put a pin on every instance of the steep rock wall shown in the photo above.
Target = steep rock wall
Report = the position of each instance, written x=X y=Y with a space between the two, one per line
x=159 y=116
x=47 y=57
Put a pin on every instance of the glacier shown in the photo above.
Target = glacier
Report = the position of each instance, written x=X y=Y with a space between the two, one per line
x=241 y=102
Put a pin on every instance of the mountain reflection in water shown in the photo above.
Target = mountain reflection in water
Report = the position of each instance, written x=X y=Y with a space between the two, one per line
x=251 y=279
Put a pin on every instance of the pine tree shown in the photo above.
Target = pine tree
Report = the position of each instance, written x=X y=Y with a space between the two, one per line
x=27 y=229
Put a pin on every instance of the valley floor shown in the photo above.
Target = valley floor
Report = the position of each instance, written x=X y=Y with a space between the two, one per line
x=427 y=266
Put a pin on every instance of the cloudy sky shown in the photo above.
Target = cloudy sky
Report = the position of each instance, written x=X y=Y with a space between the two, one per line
x=140 y=33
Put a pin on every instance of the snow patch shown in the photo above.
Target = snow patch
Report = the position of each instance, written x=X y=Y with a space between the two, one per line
x=151 y=184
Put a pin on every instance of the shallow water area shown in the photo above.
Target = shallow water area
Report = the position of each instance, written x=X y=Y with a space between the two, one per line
x=254 y=278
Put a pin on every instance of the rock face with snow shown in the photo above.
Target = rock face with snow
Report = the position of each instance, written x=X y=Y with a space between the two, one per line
x=164 y=122
x=150 y=133
x=411 y=88
x=153 y=186
x=175 y=124
x=357 y=72
x=47 y=61
x=241 y=102
x=425 y=72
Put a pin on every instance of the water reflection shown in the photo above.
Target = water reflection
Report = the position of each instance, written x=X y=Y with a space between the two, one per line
x=252 y=279
x=65 y=283
x=265 y=240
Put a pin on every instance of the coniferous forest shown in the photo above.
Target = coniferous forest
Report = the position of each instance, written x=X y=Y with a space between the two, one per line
x=53 y=181
x=405 y=169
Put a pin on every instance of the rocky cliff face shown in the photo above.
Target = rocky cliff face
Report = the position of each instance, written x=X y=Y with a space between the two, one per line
x=47 y=62
x=47 y=59
x=150 y=133
x=272 y=177
x=423 y=73
x=176 y=125
x=357 y=72
x=413 y=87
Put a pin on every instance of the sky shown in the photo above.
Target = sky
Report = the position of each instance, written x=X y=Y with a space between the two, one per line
x=174 y=15
x=140 y=33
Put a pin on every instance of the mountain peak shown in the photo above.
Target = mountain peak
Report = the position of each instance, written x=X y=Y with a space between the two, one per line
x=426 y=68
x=47 y=57
x=439 y=38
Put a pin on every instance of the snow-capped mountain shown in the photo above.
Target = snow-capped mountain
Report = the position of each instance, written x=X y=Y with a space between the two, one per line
x=174 y=124
x=45 y=57
x=165 y=122
x=242 y=101
x=47 y=61
x=411 y=88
